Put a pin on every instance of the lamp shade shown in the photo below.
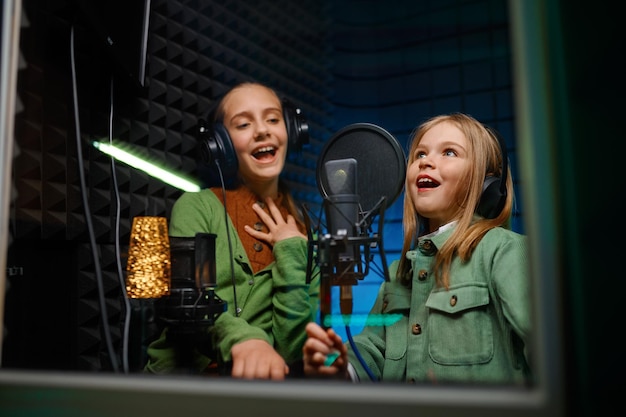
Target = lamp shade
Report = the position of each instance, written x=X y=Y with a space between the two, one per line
x=149 y=265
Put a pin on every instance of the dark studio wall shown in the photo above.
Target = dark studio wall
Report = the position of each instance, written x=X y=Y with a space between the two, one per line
x=196 y=50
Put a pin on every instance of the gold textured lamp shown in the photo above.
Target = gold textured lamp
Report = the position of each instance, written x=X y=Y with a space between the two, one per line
x=149 y=265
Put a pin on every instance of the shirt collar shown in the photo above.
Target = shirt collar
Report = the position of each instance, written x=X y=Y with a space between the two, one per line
x=441 y=229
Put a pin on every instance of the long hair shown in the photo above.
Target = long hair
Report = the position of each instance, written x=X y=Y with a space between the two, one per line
x=484 y=151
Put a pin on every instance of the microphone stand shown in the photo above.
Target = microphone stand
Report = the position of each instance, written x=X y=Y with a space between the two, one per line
x=339 y=271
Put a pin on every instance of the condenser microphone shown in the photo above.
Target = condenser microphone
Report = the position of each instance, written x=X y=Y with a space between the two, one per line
x=342 y=210
x=343 y=255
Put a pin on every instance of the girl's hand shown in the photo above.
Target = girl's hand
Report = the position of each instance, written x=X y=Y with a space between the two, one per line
x=256 y=359
x=319 y=353
x=279 y=228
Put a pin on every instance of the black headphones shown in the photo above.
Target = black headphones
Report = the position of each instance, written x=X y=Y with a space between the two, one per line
x=216 y=147
x=494 y=193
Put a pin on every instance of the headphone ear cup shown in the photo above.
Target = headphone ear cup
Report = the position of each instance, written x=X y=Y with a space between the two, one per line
x=217 y=149
x=492 y=199
x=297 y=126
x=203 y=139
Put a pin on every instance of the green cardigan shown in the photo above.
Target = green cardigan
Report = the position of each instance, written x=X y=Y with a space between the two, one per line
x=275 y=303
x=476 y=332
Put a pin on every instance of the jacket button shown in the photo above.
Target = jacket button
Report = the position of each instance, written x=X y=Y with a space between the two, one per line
x=427 y=247
x=422 y=274
x=258 y=226
x=453 y=300
x=251 y=282
x=257 y=247
x=416 y=329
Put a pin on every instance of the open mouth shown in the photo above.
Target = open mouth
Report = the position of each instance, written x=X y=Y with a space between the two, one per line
x=427 y=183
x=264 y=152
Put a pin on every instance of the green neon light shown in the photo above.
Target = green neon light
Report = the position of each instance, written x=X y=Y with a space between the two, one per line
x=147 y=167
x=334 y=320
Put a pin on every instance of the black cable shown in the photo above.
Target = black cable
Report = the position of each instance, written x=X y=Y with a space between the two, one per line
x=358 y=355
x=310 y=245
x=103 y=309
x=376 y=268
x=120 y=274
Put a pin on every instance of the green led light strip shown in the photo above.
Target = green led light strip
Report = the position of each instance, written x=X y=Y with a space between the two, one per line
x=361 y=319
x=147 y=167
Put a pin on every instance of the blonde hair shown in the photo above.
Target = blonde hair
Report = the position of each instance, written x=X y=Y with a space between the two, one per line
x=484 y=150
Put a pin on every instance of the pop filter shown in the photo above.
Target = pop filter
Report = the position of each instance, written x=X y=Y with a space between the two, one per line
x=381 y=163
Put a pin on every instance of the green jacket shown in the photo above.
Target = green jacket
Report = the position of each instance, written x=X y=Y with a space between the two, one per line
x=475 y=332
x=275 y=303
